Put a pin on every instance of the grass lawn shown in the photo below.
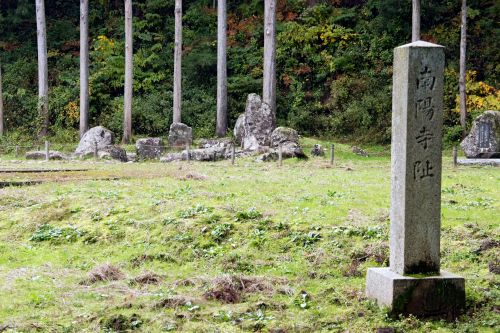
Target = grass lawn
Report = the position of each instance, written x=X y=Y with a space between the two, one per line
x=210 y=247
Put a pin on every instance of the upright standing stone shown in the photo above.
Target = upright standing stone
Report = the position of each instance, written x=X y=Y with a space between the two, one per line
x=417 y=122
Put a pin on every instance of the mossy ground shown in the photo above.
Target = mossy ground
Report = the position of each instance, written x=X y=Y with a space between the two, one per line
x=300 y=237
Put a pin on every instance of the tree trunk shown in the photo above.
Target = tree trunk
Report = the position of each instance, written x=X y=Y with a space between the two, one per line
x=178 y=62
x=129 y=73
x=415 y=31
x=84 y=67
x=43 y=70
x=221 y=69
x=462 y=79
x=269 y=84
x=1 y=102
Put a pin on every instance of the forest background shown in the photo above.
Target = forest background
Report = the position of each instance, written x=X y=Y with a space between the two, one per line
x=334 y=64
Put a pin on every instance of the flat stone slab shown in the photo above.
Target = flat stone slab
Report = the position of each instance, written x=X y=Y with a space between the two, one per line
x=480 y=161
x=440 y=296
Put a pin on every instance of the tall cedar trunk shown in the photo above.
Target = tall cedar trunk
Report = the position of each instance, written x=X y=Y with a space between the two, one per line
x=129 y=73
x=221 y=69
x=178 y=62
x=269 y=85
x=1 y=102
x=463 y=68
x=84 y=67
x=43 y=69
x=415 y=30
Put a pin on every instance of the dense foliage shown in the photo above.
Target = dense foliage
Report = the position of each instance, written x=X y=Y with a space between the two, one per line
x=334 y=62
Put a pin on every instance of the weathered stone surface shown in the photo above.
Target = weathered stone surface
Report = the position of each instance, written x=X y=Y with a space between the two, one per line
x=239 y=129
x=416 y=158
x=282 y=135
x=440 y=296
x=180 y=135
x=215 y=143
x=201 y=155
x=113 y=152
x=40 y=155
x=149 y=148
x=100 y=135
x=259 y=123
x=317 y=151
x=359 y=151
x=483 y=140
x=417 y=120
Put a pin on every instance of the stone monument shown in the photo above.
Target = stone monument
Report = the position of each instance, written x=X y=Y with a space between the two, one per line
x=414 y=283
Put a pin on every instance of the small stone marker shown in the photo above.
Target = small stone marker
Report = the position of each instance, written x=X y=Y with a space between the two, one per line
x=416 y=192
x=332 y=154
x=47 y=152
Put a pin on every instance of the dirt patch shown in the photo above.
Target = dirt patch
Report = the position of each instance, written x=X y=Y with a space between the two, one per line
x=352 y=270
x=378 y=252
x=488 y=244
x=105 y=272
x=121 y=323
x=148 y=278
x=231 y=288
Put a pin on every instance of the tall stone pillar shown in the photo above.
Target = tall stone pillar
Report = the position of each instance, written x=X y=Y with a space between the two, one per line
x=414 y=283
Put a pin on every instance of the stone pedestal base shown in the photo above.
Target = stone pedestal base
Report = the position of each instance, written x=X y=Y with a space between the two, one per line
x=441 y=296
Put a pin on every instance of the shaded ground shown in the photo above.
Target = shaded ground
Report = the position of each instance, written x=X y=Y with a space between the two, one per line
x=213 y=247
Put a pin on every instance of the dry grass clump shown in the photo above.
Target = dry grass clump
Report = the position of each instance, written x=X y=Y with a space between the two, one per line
x=148 y=278
x=231 y=288
x=104 y=272
x=175 y=301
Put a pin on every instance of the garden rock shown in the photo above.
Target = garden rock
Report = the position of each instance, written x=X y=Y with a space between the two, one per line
x=239 y=129
x=180 y=135
x=100 y=135
x=201 y=155
x=317 y=151
x=282 y=135
x=40 y=155
x=114 y=153
x=215 y=143
x=149 y=148
x=483 y=140
x=359 y=151
x=259 y=123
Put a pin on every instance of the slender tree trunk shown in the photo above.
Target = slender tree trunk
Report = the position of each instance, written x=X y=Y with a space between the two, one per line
x=84 y=67
x=43 y=70
x=463 y=68
x=178 y=62
x=269 y=86
x=415 y=31
x=129 y=73
x=221 y=69
x=1 y=102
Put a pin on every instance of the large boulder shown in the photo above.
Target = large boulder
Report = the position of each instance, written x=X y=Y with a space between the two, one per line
x=97 y=135
x=282 y=135
x=239 y=129
x=180 y=135
x=483 y=140
x=149 y=148
x=114 y=153
x=259 y=123
x=288 y=139
x=40 y=155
